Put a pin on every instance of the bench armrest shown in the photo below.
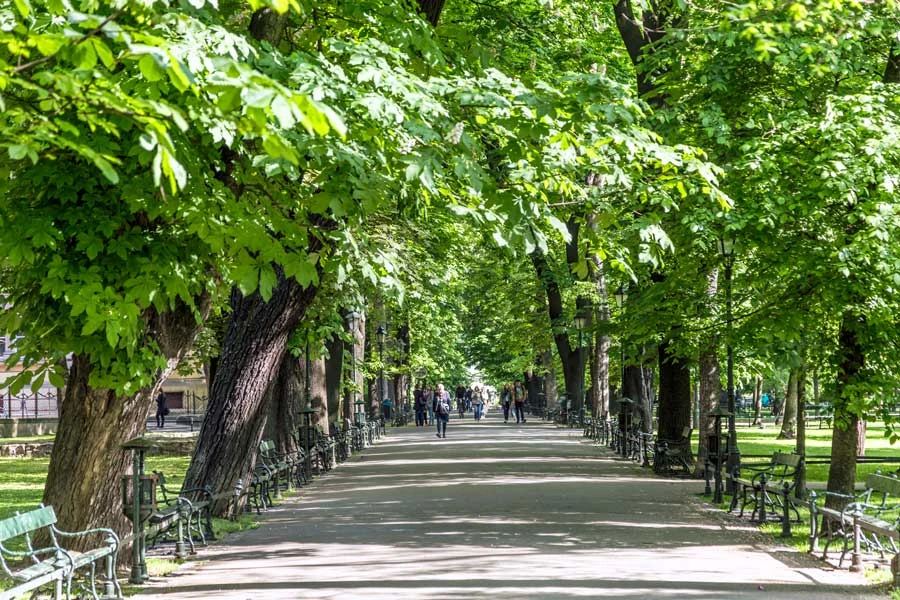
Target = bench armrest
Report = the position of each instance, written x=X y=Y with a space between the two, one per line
x=111 y=536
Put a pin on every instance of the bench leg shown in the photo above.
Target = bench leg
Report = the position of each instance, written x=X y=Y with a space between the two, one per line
x=856 y=556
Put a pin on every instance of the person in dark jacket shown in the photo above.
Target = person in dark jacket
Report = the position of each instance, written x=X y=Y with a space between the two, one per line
x=161 y=410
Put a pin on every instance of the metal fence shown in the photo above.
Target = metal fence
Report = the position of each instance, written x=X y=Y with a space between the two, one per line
x=28 y=405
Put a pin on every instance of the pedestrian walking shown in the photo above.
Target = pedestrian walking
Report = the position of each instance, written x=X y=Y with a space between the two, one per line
x=161 y=410
x=518 y=394
x=419 y=406
x=441 y=410
x=429 y=404
x=478 y=402
x=506 y=401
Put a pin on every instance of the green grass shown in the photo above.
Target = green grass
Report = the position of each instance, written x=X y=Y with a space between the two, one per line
x=30 y=439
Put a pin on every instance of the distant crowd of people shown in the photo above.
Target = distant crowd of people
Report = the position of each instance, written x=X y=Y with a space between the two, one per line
x=432 y=406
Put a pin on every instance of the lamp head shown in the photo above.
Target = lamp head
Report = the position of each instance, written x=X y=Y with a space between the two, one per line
x=381 y=332
x=621 y=295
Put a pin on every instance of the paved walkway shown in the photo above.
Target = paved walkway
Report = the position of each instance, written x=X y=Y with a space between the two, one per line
x=499 y=511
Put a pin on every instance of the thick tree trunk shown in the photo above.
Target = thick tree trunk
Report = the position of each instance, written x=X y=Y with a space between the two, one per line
x=789 y=411
x=842 y=472
x=283 y=400
x=638 y=387
x=710 y=386
x=674 y=394
x=551 y=391
x=354 y=350
x=255 y=344
x=334 y=373
x=318 y=394
x=87 y=460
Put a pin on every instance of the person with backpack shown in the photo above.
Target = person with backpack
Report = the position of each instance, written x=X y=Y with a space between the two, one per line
x=441 y=410
x=518 y=393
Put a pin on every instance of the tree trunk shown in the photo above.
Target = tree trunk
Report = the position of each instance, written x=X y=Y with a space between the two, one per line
x=710 y=385
x=431 y=10
x=789 y=411
x=573 y=359
x=354 y=350
x=600 y=347
x=757 y=401
x=801 y=432
x=550 y=389
x=674 y=394
x=318 y=394
x=87 y=460
x=255 y=344
x=283 y=398
x=842 y=472
x=334 y=372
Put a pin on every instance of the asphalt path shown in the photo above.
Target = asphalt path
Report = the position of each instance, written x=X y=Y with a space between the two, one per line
x=500 y=511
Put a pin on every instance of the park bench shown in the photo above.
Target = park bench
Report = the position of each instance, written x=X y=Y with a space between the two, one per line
x=671 y=456
x=282 y=466
x=821 y=414
x=764 y=489
x=189 y=505
x=31 y=568
x=866 y=523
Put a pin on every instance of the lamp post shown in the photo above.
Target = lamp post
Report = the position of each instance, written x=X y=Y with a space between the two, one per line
x=733 y=462
x=581 y=322
x=380 y=333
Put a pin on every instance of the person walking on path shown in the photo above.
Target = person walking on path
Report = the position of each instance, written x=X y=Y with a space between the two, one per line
x=506 y=401
x=518 y=393
x=419 y=406
x=161 y=410
x=442 y=410
x=429 y=404
x=478 y=402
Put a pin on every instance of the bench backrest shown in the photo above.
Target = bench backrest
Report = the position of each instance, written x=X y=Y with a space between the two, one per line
x=879 y=488
x=266 y=447
x=784 y=465
x=31 y=521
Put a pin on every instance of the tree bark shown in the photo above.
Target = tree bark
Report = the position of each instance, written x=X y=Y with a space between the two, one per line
x=88 y=460
x=334 y=373
x=757 y=401
x=710 y=385
x=283 y=400
x=550 y=388
x=789 y=411
x=255 y=344
x=318 y=392
x=842 y=472
x=431 y=10
x=355 y=349
x=573 y=359
x=674 y=393
x=801 y=432
x=600 y=347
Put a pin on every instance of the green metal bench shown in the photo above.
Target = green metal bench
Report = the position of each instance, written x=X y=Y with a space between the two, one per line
x=867 y=523
x=32 y=567
x=191 y=505
x=763 y=489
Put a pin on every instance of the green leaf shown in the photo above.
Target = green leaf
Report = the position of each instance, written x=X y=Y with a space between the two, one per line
x=50 y=44
x=24 y=7
x=150 y=69
x=107 y=169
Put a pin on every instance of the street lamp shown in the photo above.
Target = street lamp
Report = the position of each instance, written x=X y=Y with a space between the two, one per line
x=380 y=333
x=726 y=249
x=581 y=322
